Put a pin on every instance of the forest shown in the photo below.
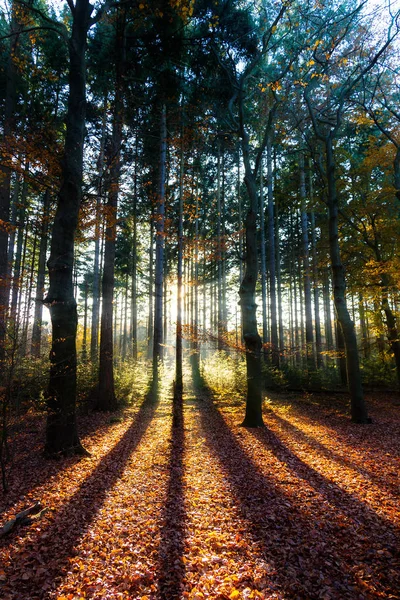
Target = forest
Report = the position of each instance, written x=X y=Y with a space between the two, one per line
x=199 y=299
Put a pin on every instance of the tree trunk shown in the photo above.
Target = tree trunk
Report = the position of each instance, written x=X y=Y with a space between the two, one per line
x=61 y=429
x=310 y=357
x=178 y=363
x=263 y=264
x=41 y=276
x=253 y=416
x=94 y=336
x=134 y=255
x=150 y=322
x=85 y=321
x=318 y=339
x=159 y=266
x=358 y=407
x=106 y=397
x=5 y=177
x=220 y=317
x=272 y=259
x=391 y=325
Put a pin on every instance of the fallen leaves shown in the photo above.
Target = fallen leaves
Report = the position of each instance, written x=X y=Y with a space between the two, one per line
x=194 y=507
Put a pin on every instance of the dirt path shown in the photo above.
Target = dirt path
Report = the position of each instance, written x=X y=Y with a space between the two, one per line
x=179 y=502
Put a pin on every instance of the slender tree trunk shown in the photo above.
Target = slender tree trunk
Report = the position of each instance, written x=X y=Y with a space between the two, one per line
x=253 y=416
x=195 y=356
x=24 y=340
x=11 y=237
x=85 y=321
x=150 y=322
x=5 y=177
x=134 y=309
x=106 y=395
x=363 y=325
x=306 y=269
x=391 y=325
x=358 y=408
x=61 y=429
x=279 y=285
x=41 y=277
x=220 y=317
x=263 y=264
x=318 y=339
x=159 y=266
x=94 y=336
x=178 y=363
x=272 y=259
x=16 y=283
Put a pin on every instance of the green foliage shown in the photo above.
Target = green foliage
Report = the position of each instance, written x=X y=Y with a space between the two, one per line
x=225 y=374
x=379 y=372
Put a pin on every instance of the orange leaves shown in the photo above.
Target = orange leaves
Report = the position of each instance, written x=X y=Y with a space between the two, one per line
x=306 y=508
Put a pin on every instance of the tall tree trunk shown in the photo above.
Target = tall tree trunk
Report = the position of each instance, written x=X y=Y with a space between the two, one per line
x=220 y=317
x=41 y=276
x=106 y=395
x=16 y=284
x=391 y=325
x=253 y=416
x=279 y=285
x=94 y=336
x=364 y=327
x=318 y=340
x=85 y=321
x=150 y=321
x=134 y=316
x=24 y=340
x=178 y=356
x=358 y=408
x=263 y=264
x=159 y=266
x=306 y=269
x=5 y=176
x=272 y=259
x=61 y=428
x=195 y=355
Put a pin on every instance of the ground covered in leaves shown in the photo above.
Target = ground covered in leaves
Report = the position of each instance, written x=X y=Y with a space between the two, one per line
x=177 y=501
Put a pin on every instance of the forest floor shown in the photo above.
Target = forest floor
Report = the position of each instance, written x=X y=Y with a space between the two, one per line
x=178 y=501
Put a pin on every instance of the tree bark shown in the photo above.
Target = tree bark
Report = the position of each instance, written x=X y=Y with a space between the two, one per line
x=178 y=349
x=310 y=357
x=41 y=277
x=94 y=335
x=159 y=265
x=358 y=408
x=272 y=259
x=106 y=394
x=61 y=428
x=5 y=178
x=252 y=339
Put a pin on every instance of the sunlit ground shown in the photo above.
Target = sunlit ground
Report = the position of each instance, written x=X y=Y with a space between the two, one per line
x=178 y=501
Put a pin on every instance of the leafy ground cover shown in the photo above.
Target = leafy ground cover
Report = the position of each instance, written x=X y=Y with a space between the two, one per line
x=178 y=501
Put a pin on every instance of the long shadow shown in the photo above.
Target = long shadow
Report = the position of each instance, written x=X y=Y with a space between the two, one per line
x=310 y=554
x=31 y=469
x=364 y=436
x=47 y=556
x=171 y=567
x=331 y=454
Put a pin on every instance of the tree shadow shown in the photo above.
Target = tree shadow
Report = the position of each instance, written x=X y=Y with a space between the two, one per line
x=47 y=555
x=332 y=414
x=331 y=454
x=313 y=553
x=31 y=469
x=171 y=567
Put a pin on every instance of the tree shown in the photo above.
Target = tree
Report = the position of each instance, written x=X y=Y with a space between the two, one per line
x=61 y=430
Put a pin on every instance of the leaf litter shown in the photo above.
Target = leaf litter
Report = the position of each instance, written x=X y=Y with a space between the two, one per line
x=177 y=501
